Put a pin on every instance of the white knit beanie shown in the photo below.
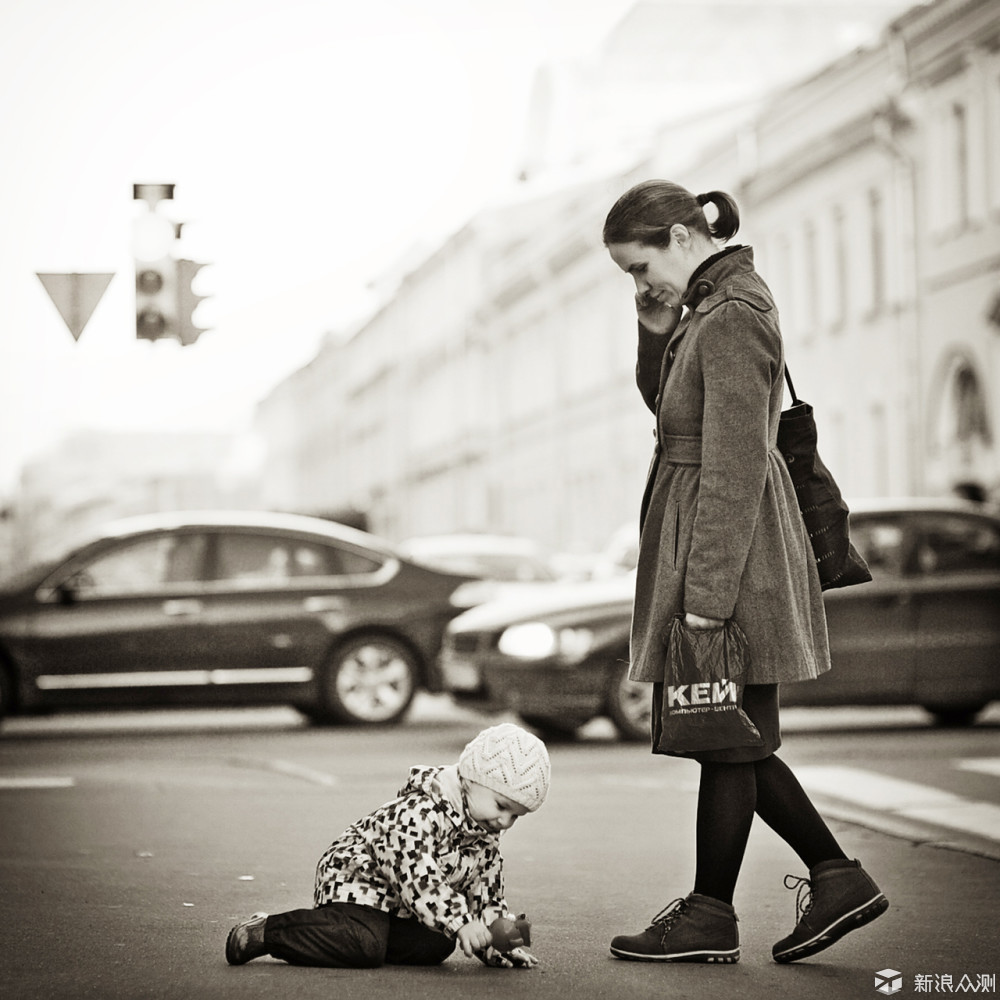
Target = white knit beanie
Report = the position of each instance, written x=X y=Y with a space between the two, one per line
x=509 y=760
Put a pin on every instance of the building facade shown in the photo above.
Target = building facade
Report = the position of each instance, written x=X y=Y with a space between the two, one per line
x=98 y=476
x=494 y=390
x=872 y=193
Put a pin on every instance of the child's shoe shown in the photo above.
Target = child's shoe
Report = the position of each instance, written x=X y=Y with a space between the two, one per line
x=246 y=940
x=839 y=896
x=696 y=929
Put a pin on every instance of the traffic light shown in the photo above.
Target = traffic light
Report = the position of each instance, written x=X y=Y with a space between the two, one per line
x=153 y=236
x=156 y=299
x=164 y=299
x=187 y=302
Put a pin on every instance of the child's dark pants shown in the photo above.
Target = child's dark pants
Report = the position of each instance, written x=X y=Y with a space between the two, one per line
x=349 y=936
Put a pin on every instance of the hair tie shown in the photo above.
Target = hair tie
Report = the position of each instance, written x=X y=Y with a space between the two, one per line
x=704 y=199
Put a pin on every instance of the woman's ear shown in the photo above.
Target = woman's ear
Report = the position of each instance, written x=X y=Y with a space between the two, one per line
x=681 y=235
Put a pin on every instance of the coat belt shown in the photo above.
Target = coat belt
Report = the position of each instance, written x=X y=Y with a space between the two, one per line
x=680 y=449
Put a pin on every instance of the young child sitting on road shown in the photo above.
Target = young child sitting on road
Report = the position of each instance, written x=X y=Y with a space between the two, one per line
x=423 y=872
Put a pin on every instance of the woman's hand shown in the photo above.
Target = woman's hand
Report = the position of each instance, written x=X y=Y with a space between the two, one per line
x=696 y=621
x=655 y=316
x=473 y=937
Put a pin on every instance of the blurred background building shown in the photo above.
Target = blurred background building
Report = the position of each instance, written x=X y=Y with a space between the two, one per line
x=493 y=388
x=94 y=477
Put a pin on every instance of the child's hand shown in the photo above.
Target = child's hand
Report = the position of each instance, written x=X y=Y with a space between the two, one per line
x=519 y=958
x=473 y=937
x=522 y=958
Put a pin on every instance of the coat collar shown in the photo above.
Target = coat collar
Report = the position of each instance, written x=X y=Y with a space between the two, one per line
x=712 y=271
x=707 y=276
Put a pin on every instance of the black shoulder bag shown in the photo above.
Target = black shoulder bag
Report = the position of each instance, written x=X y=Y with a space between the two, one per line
x=824 y=512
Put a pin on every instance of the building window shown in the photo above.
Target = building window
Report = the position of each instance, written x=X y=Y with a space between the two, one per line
x=810 y=298
x=876 y=235
x=993 y=142
x=950 y=158
x=880 y=484
x=783 y=280
x=839 y=267
x=960 y=162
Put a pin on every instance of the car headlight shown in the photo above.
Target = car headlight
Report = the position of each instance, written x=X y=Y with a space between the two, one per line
x=538 y=641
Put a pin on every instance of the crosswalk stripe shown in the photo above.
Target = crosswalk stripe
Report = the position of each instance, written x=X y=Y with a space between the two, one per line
x=981 y=765
x=903 y=798
x=298 y=771
x=43 y=782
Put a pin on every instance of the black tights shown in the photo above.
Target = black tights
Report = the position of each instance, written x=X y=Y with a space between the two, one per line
x=728 y=797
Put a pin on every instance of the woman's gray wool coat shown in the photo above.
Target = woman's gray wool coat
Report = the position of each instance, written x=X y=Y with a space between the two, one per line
x=721 y=532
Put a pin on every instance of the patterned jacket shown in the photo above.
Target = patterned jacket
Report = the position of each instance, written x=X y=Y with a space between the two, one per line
x=419 y=855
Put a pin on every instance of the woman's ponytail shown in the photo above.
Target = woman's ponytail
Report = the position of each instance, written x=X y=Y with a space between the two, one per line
x=728 y=220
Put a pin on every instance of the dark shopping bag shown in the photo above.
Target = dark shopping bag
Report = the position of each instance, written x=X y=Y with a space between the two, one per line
x=702 y=705
x=824 y=512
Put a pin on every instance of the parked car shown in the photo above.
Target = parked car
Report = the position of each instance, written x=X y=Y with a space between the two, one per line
x=226 y=608
x=925 y=631
x=620 y=554
x=500 y=564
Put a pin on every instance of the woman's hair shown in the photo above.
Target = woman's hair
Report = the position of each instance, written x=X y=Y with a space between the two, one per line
x=645 y=213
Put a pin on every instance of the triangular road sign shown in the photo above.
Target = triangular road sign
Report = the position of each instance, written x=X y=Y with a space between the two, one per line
x=75 y=296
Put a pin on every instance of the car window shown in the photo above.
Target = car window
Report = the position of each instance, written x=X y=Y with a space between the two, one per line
x=254 y=560
x=146 y=565
x=266 y=561
x=354 y=563
x=955 y=544
x=880 y=544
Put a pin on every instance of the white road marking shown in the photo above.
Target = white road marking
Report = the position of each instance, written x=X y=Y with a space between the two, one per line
x=298 y=771
x=41 y=782
x=982 y=765
x=904 y=798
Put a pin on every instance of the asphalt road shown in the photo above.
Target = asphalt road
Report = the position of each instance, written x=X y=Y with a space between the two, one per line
x=129 y=845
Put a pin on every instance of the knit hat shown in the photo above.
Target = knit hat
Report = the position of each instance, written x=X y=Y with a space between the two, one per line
x=509 y=760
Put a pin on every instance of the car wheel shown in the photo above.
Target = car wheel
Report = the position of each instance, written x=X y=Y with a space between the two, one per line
x=955 y=715
x=628 y=703
x=369 y=680
x=554 y=730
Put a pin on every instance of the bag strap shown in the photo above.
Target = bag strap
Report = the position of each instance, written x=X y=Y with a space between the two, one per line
x=791 y=388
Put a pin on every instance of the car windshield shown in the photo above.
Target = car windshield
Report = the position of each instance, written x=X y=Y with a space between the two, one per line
x=19 y=575
x=503 y=567
x=15 y=578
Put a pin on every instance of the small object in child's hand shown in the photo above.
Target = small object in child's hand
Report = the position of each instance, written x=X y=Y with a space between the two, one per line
x=509 y=934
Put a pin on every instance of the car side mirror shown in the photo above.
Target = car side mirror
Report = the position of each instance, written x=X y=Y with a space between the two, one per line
x=65 y=591
x=68 y=591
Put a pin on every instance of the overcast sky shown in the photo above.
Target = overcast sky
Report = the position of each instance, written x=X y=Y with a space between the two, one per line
x=311 y=142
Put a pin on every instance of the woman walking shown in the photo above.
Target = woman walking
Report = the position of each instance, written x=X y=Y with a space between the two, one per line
x=722 y=540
